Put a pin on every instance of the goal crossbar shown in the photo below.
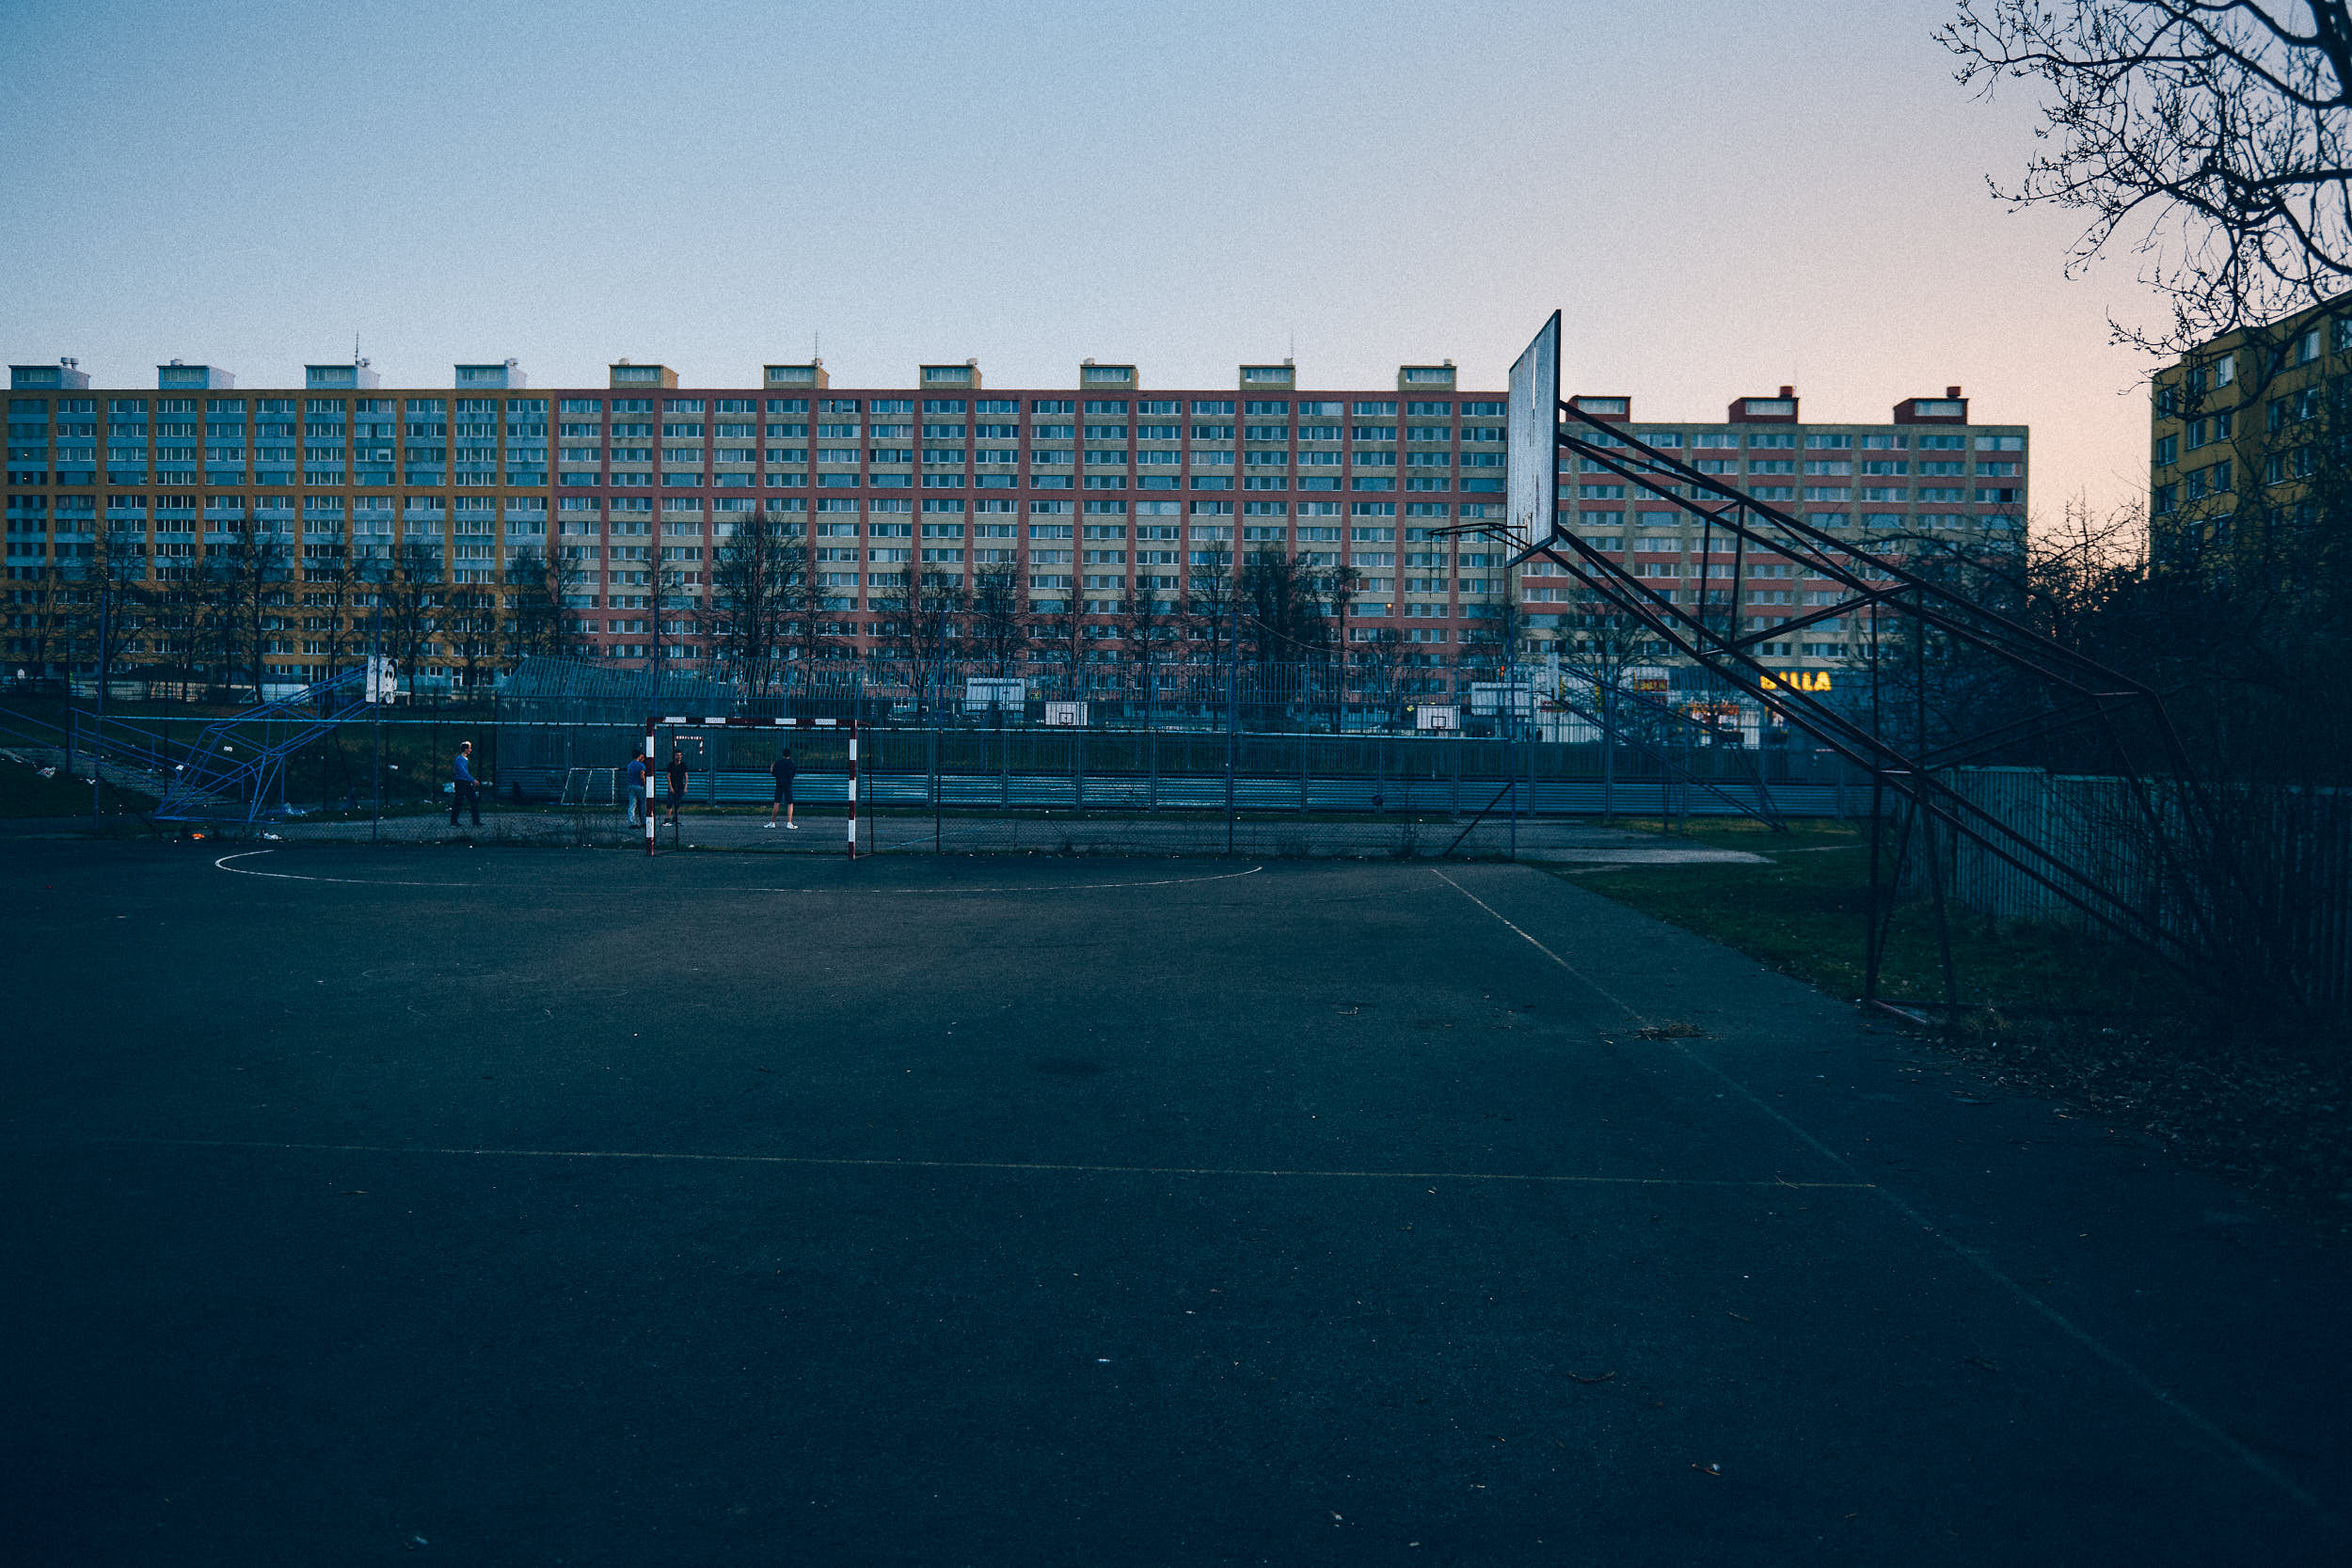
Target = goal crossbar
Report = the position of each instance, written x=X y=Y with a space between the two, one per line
x=675 y=722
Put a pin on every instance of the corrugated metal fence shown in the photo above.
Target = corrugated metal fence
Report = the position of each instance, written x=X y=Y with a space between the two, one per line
x=2255 y=879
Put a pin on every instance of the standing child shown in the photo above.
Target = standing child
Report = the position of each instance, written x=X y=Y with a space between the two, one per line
x=781 y=771
x=677 y=780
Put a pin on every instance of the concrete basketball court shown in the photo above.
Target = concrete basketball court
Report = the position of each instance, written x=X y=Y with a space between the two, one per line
x=507 y=1206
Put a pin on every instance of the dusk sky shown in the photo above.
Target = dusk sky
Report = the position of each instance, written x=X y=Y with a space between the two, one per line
x=1720 y=196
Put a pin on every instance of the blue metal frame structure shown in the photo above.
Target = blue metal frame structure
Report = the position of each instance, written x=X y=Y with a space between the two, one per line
x=232 y=774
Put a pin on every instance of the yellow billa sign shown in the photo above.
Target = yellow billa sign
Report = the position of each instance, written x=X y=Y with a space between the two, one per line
x=1797 y=680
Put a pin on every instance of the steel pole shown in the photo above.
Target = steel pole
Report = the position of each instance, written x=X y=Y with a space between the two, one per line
x=854 y=788
x=98 y=721
x=1233 y=705
x=375 y=720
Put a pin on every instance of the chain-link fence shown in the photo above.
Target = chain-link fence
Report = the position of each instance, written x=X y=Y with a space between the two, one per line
x=1010 y=788
x=553 y=749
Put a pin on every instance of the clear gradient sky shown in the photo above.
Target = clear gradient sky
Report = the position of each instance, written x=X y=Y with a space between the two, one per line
x=1722 y=196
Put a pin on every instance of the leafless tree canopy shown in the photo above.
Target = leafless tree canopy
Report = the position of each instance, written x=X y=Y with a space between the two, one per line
x=2208 y=137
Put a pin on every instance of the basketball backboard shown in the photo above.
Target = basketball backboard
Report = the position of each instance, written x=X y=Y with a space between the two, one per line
x=1532 y=434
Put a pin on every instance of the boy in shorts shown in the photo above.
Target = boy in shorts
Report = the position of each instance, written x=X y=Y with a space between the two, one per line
x=781 y=771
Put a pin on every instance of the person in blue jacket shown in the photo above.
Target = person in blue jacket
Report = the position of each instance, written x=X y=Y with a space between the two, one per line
x=639 y=775
x=466 y=790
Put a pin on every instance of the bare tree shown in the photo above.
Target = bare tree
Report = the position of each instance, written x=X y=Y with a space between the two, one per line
x=1054 y=631
x=1213 y=605
x=676 y=609
x=1373 y=658
x=331 y=586
x=1602 y=647
x=468 y=620
x=115 y=595
x=1288 y=616
x=179 y=611
x=931 y=626
x=1000 y=618
x=411 y=593
x=758 y=591
x=804 y=601
x=43 y=619
x=533 y=621
x=251 y=573
x=1145 y=625
x=1490 y=645
x=2207 y=135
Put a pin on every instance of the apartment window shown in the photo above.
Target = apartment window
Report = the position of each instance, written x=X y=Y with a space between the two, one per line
x=1828 y=443
x=2168 y=451
x=1212 y=406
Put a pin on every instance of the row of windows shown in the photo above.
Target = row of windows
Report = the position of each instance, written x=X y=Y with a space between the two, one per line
x=959 y=432
x=846 y=430
x=1824 y=466
x=315 y=506
x=2220 y=371
x=235 y=408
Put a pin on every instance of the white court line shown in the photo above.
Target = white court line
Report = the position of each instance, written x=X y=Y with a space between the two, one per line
x=1042 y=887
x=991 y=1164
x=2082 y=1337
x=223 y=865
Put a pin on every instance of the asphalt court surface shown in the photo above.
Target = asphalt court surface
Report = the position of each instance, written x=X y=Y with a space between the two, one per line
x=544 y=1206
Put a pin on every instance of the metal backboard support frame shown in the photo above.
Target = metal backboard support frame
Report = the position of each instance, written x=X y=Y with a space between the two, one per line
x=1884 y=592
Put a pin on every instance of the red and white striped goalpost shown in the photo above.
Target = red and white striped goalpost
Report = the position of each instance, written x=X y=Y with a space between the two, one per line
x=719 y=721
